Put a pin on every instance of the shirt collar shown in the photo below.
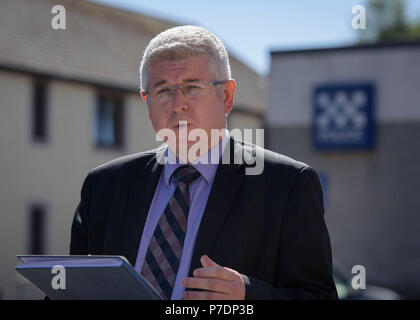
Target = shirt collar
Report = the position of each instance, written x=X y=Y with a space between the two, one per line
x=206 y=168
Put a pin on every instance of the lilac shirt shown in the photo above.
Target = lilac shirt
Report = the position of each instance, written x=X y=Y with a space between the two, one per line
x=199 y=192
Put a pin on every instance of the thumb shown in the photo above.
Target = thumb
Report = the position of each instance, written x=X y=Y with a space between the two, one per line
x=207 y=262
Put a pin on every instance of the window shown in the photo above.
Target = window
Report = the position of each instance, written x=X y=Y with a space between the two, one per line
x=37 y=229
x=39 y=111
x=109 y=122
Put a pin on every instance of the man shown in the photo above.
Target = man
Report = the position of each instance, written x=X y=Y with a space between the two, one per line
x=198 y=229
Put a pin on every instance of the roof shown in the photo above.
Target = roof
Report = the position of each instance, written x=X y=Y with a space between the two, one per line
x=101 y=45
x=357 y=47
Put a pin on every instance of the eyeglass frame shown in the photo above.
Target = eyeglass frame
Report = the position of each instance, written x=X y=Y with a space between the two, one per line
x=144 y=93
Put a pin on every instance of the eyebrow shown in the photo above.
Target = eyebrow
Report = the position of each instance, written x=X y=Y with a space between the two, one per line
x=159 y=83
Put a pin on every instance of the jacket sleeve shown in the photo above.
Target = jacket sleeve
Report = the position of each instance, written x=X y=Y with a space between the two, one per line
x=304 y=262
x=80 y=225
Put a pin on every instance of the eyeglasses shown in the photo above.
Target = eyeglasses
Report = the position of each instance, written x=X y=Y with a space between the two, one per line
x=189 y=90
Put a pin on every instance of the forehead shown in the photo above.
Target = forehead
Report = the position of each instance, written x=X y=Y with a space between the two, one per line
x=170 y=72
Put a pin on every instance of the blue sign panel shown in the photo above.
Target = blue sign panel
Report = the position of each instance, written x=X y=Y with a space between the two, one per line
x=343 y=117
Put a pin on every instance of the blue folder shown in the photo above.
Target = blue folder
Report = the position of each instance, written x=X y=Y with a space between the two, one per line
x=86 y=277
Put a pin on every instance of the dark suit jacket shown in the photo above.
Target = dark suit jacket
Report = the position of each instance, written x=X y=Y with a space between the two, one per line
x=268 y=227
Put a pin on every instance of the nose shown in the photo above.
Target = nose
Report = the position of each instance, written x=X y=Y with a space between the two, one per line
x=179 y=102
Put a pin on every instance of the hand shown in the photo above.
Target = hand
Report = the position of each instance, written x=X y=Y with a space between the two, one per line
x=220 y=283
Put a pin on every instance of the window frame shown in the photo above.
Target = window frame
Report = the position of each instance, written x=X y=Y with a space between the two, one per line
x=40 y=130
x=119 y=120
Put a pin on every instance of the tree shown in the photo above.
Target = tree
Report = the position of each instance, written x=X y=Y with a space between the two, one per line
x=386 y=21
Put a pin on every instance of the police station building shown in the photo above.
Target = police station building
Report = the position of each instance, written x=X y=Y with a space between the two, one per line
x=353 y=113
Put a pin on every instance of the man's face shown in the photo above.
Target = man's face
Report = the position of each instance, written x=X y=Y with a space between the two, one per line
x=206 y=112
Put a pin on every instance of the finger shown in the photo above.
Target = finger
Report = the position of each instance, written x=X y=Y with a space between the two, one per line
x=204 y=295
x=210 y=284
x=207 y=262
x=214 y=272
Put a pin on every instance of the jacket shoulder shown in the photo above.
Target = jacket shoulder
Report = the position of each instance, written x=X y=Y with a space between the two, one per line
x=273 y=159
x=277 y=159
x=275 y=166
x=130 y=164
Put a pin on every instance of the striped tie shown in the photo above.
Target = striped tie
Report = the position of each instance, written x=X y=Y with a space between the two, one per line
x=165 y=248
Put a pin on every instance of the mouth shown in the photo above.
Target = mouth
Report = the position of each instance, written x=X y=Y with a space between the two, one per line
x=182 y=125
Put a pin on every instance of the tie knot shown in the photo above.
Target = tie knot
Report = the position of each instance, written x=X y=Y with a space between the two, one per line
x=186 y=174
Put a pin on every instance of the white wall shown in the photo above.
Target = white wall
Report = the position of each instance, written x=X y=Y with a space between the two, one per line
x=293 y=78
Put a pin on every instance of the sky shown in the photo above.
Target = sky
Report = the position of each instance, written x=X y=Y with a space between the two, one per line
x=251 y=29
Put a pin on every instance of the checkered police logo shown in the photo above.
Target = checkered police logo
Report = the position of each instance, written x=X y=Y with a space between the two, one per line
x=343 y=117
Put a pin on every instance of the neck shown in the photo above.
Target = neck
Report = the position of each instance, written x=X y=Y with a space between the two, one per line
x=192 y=151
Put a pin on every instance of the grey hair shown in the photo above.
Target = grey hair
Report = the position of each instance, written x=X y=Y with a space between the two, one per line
x=184 y=42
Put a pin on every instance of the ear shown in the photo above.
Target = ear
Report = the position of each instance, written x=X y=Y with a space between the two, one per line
x=228 y=95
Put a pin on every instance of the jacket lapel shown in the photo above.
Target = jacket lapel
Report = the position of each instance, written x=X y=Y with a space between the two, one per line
x=140 y=198
x=225 y=187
